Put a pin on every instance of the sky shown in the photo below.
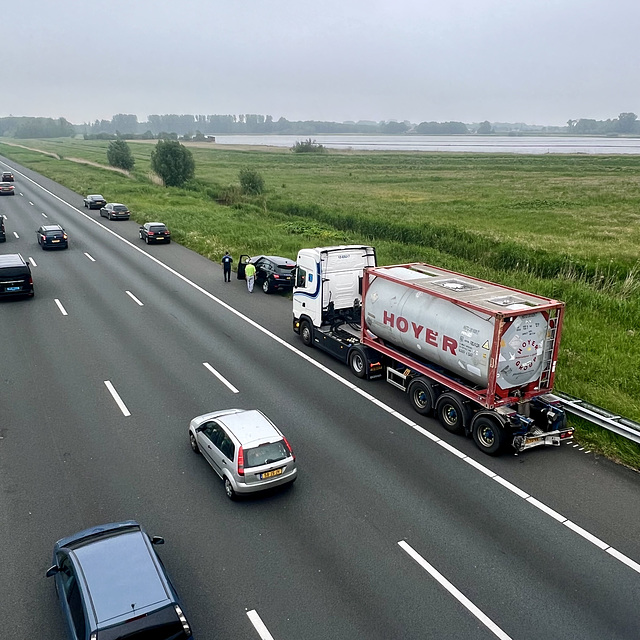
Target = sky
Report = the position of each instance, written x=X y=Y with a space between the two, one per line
x=533 y=61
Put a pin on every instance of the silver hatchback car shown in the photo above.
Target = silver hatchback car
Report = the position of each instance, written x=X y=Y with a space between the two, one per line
x=245 y=449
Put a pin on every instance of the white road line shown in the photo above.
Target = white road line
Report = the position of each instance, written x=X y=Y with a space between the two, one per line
x=31 y=203
x=88 y=256
x=16 y=235
x=260 y=627
x=456 y=593
x=62 y=309
x=134 y=298
x=117 y=398
x=337 y=377
x=45 y=215
x=220 y=377
x=32 y=261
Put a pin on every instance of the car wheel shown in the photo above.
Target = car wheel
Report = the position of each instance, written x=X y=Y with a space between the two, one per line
x=228 y=489
x=147 y=239
x=43 y=246
x=109 y=216
x=306 y=334
x=193 y=443
x=140 y=235
x=488 y=435
x=266 y=285
x=421 y=397
x=85 y=204
x=358 y=363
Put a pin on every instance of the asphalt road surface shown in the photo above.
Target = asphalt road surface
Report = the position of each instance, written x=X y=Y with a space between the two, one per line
x=395 y=529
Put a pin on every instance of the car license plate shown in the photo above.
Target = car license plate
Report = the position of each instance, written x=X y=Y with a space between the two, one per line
x=13 y=288
x=55 y=241
x=271 y=474
x=533 y=440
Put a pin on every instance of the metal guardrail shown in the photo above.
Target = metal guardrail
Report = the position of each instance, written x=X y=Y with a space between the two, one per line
x=606 y=419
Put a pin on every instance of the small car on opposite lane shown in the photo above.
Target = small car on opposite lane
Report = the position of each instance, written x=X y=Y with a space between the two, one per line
x=7 y=176
x=245 y=449
x=111 y=584
x=154 y=232
x=52 y=236
x=7 y=189
x=115 y=211
x=94 y=201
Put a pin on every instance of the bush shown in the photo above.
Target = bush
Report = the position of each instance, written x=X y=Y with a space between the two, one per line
x=308 y=146
x=119 y=155
x=173 y=162
x=251 y=182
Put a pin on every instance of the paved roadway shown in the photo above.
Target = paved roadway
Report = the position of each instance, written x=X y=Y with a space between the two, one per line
x=386 y=524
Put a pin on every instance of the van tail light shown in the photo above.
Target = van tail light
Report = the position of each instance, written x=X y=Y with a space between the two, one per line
x=241 y=462
x=289 y=447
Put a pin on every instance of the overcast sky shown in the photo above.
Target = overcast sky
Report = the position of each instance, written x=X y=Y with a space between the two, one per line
x=533 y=61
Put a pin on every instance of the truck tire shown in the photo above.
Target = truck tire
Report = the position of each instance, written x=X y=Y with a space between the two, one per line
x=358 y=363
x=452 y=413
x=421 y=396
x=306 y=333
x=488 y=435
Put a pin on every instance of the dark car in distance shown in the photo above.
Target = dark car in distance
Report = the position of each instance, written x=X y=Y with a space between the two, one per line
x=273 y=273
x=115 y=211
x=7 y=189
x=95 y=201
x=15 y=276
x=7 y=176
x=154 y=232
x=112 y=585
x=3 y=231
x=52 y=236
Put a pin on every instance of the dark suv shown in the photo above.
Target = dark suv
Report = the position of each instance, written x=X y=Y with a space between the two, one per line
x=112 y=585
x=15 y=276
x=273 y=273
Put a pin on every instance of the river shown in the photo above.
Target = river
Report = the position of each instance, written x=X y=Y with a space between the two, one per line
x=459 y=144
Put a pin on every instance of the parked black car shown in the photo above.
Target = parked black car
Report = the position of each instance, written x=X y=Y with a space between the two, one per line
x=52 y=236
x=15 y=276
x=155 y=232
x=94 y=202
x=115 y=211
x=273 y=273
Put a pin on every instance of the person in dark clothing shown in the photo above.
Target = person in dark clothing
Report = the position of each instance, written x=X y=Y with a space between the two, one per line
x=226 y=265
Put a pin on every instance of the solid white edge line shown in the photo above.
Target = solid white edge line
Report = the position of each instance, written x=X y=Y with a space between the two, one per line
x=260 y=627
x=451 y=449
x=624 y=559
x=548 y=510
x=220 y=377
x=117 y=398
x=480 y=467
x=134 y=298
x=88 y=256
x=258 y=327
x=512 y=487
x=586 y=535
x=32 y=261
x=63 y=311
x=455 y=592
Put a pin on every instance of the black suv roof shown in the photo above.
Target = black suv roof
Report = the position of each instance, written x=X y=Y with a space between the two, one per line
x=12 y=260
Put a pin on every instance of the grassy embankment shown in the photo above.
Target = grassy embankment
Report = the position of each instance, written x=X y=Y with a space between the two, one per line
x=561 y=226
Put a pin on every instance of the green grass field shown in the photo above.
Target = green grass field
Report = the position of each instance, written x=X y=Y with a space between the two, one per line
x=567 y=227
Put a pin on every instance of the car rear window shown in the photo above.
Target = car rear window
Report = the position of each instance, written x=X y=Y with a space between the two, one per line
x=54 y=232
x=285 y=268
x=265 y=454
x=13 y=272
x=158 y=229
x=120 y=207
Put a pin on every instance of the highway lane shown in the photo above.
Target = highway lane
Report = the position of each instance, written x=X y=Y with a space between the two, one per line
x=368 y=481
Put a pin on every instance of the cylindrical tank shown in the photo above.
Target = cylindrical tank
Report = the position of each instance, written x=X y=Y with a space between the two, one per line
x=454 y=337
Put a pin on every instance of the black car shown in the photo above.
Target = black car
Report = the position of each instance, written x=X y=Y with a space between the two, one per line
x=7 y=176
x=7 y=189
x=3 y=231
x=155 y=232
x=15 y=276
x=94 y=202
x=52 y=236
x=273 y=273
x=115 y=211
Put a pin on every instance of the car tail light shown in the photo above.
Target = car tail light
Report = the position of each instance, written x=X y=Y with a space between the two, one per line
x=241 y=462
x=183 y=620
x=64 y=236
x=276 y=276
x=289 y=447
x=151 y=233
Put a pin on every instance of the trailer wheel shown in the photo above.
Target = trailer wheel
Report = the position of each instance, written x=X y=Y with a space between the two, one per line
x=421 y=397
x=488 y=435
x=306 y=334
x=452 y=413
x=358 y=363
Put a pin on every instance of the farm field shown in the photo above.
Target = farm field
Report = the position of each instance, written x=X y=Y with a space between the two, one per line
x=564 y=226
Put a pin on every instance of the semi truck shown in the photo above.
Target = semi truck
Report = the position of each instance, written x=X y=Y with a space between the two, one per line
x=479 y=356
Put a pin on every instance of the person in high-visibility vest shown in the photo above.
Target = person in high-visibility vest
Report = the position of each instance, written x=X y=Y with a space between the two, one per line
x=250 y=275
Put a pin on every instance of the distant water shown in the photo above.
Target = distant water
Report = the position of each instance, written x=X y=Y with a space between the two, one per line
x=460 y=144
